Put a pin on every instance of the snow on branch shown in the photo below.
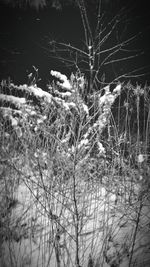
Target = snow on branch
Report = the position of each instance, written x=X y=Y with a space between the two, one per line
x=93 y=133
x=17 y=101
x=36 y=91
x=63 y=78
x=105 y=103
x=64 y=103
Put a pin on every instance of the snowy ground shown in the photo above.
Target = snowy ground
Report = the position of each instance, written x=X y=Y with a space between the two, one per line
x=41 y=228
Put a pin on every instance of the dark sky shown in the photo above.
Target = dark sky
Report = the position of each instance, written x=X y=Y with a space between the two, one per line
x=24 y=37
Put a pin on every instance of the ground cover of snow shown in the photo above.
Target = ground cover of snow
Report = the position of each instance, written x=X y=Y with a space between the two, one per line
x=42 y=227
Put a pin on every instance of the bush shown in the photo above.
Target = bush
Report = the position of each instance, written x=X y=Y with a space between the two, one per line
x=74 y=167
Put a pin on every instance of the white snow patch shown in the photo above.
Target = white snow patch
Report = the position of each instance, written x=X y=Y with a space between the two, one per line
x=140 y=158
x=32 y=113
x=71 y=104
x=83 y=142
x=102 y=100
x=117 y=89
x=101 y=148
x=65 y=94
x=18 y=101
x=65 y=83
x=66 y=106
x=40 y=93
x=85 y=107
x=14 y=121
x=39 y=121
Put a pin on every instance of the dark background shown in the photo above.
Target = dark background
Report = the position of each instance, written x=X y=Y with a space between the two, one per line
x=26 y=33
